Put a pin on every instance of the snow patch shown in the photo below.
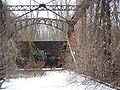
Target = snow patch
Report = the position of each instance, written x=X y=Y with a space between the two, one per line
x=53 y=80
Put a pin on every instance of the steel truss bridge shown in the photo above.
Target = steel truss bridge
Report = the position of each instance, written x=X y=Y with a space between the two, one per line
x=56 y=23
x=61 y=25
x=51 y=7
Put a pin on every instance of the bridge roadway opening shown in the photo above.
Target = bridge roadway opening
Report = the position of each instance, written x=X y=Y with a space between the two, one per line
x=51 y=53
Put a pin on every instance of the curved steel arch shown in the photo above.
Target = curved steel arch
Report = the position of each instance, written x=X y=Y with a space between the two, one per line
x=56 y=23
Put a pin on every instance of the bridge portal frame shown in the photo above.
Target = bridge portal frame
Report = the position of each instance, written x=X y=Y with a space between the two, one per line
x=56 y=23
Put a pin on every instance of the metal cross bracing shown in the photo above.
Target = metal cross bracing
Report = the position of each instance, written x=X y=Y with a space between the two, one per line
x=51 y=7
x=56 y=23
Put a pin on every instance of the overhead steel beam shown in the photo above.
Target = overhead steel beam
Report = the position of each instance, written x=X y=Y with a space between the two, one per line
x=51 y=7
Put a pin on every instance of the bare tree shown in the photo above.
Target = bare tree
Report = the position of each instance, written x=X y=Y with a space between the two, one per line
x=95 y=40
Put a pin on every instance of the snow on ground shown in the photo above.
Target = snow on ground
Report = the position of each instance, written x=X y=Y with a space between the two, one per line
x=53 y=80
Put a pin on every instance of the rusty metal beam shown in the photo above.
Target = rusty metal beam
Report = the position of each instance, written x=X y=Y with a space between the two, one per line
x=51 y=7
x=81 y=10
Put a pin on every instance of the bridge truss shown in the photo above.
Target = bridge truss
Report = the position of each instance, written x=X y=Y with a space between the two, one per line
x=58 y=24
x=61 y=25
x=51 y=7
